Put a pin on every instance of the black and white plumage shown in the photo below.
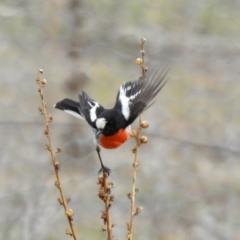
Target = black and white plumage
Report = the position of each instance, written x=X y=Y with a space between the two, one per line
x=132 y=99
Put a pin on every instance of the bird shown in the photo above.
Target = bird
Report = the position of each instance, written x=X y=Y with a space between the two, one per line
x=112 y=126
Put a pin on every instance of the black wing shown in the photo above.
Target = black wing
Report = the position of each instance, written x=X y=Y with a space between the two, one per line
x=89 y=109
x=86 y=108
x=134 y=97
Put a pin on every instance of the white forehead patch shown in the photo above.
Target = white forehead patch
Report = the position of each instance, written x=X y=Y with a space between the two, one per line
x=101 y=123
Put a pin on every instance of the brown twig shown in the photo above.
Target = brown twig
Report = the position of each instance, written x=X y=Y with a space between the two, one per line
x=107 y=198
x=141 y=61
x=47 y=120
x=139 y=140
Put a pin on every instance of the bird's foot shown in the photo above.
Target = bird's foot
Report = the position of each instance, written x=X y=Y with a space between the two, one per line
x=105 y=170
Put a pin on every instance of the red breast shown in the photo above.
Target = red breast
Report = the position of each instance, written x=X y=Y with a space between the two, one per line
x=115 y=140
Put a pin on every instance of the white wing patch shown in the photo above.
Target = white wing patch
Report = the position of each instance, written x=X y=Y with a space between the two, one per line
x=73 y=113
x=126 y=101
x=135 y=95
x=93 y=115
x=128 y=88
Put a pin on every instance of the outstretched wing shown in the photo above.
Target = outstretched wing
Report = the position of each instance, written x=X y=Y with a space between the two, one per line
x=136 y=96
x=86 y=108
x=89 y=109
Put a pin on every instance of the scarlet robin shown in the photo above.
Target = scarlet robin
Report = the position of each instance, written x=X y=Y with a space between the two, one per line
x=112 y=127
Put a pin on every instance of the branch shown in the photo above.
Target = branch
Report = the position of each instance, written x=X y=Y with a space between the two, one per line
x=47 y=120
x=139 y=140
x=107 y=198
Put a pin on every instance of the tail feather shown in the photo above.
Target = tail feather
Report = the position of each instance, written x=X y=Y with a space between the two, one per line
x=69 y=106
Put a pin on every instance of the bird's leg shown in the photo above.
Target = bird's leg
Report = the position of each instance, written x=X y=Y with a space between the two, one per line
x=103 y=168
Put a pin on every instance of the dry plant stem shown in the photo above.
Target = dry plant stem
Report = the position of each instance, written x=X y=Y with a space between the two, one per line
x=134 y=189
x=142 y=51
x=134 y=211
x=47 y=119
x=107 y=198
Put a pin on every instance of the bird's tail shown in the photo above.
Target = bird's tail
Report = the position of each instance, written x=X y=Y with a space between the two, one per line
x=69 y=106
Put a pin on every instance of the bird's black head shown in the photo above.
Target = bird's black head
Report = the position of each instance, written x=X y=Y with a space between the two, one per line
x=110 y=122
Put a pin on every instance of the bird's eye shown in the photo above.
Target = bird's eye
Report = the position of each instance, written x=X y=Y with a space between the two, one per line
x=110 y=123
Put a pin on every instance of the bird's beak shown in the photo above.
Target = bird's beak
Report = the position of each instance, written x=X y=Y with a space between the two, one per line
x=98 y=132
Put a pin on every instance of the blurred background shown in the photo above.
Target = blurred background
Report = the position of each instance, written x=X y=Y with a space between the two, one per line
x=189 y=173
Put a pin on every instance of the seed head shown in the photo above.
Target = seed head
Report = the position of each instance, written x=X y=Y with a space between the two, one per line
x=135 y=164
x=69 y=213
x=143 y=139
x=139 y=61
x=138 y=210
x=133 y=133
x=144 y=124
x=44 y=81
